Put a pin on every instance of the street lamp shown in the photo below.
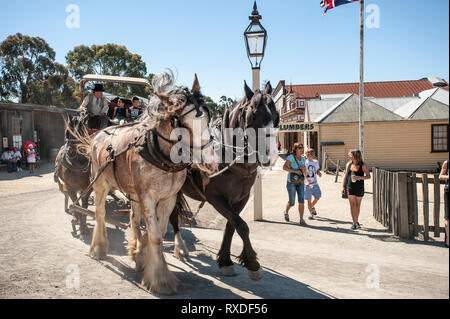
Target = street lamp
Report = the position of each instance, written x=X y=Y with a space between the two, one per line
x=255 y=41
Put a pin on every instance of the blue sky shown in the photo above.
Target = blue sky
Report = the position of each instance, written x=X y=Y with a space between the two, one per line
x=206 y=37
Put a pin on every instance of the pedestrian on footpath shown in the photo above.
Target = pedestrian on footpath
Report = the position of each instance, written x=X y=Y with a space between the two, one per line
x=31 y=157
x=353 y=184
x=443 y=176
x=313 y=190
x=295 y=165
x=18 y=158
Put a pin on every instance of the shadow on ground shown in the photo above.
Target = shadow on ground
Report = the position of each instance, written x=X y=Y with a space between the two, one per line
x=199 y=274
x=379 y=234
x=42 y=169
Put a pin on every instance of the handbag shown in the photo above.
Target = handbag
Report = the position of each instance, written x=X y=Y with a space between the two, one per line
x=297 y=178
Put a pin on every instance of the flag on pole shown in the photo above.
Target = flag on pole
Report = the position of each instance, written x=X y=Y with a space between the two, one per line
x=330 y=4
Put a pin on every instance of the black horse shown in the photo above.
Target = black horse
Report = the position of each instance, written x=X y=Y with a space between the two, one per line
x=229 y=192
x=73 y=170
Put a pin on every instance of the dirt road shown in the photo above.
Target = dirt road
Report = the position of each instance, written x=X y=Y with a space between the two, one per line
x=41 y=259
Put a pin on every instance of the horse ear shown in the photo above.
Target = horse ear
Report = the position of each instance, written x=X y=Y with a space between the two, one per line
x=248 y=92
x=268 y=89
x=196 y=85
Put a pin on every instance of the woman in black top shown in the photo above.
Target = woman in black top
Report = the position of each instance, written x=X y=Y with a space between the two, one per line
x=444 y=177
x=353 y=184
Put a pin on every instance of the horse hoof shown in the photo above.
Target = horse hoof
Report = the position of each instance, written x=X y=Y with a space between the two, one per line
x=228 y=271
x=165 y=290
x=255 y=275
x=177 y=253
x=162 y=286
x=180 y=253
x=98 y=252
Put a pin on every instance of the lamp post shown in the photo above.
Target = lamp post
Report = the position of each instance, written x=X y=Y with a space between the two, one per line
x=255 y=40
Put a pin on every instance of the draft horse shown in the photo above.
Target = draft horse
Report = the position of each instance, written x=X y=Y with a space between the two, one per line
x=72 y=173
x=135 y=159
x=229 y=192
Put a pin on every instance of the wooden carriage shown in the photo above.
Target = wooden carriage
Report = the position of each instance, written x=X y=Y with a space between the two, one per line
x=125 y=206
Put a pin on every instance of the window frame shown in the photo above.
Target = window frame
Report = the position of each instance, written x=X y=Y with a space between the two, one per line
x=432 y=138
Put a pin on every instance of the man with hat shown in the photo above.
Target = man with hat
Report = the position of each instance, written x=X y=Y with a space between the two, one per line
x=95 y=106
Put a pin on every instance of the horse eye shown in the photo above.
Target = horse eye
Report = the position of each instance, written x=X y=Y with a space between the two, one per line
x=199 y=114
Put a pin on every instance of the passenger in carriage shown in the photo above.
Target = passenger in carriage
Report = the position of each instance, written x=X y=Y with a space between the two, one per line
x=136 y=108
x=95 y=107
x=121 y=112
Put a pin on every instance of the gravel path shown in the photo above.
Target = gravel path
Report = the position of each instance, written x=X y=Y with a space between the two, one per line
x=41 y=258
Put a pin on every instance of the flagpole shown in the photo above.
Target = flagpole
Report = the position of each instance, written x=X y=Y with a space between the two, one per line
x=361 y=77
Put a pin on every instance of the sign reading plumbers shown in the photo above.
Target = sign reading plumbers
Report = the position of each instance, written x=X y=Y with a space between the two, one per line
x=297 y=127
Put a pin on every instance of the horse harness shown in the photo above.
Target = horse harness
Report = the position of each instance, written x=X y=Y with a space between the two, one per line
x=147 y=146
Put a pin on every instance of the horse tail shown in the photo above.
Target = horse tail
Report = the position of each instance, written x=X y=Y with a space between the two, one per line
x=56 y=172
x=183 y=210
x=85 y=142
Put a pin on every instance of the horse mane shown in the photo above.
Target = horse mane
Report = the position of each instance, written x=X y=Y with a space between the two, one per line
x=166 y=98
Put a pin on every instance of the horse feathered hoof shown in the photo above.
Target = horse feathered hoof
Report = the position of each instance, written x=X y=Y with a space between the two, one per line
x=255 y=275
x=163 y=285
x=84 y=234
x=181 y=253
x=228 y=271
x=178 y=254
x=98 y=252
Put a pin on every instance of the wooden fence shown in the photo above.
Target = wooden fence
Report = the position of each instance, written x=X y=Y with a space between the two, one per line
x=396 y=204
x=326 y=167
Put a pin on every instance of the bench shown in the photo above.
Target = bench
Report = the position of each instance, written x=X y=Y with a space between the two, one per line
x=3 y=166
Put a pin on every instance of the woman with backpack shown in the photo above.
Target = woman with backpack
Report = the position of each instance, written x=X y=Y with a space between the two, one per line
x=295 y=165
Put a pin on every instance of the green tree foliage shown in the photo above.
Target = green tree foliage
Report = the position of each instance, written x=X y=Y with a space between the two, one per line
x=30 y=74
x=217 y=109
x=108 y=59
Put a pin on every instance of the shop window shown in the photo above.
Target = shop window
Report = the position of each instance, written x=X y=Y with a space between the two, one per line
x=439 y=137
x=17 y=141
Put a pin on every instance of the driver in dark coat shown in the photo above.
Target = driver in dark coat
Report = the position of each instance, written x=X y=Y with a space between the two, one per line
x=95 y=106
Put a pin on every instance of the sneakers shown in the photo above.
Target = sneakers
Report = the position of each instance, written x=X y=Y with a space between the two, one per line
x=286 y=216
x=302 y=222
x=314 y=211
x=357 y=225
x=311 y=216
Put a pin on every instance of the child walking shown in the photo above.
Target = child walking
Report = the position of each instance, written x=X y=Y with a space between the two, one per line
x=313 y=189
x=31 y=158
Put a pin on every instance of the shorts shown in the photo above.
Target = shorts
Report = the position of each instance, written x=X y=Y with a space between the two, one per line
x=292 y=190
x=355 y=192
x=315 y=191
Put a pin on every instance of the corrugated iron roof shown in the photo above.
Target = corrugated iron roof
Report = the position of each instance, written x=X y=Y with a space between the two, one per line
x=371 y=89
x=393 y=103
x=315 y=108
x=347 y=111
x=432 y=104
